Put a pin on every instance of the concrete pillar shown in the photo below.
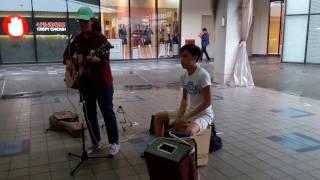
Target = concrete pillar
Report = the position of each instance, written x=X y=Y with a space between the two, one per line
x=228 y=36
x=225 y=45
x=227 y=40
x=260 y=26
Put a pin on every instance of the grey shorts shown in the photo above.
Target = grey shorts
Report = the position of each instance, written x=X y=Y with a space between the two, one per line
x=203 y=120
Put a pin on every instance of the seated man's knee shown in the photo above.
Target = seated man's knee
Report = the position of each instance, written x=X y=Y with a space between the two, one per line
x=157 y=118
x=161 y=117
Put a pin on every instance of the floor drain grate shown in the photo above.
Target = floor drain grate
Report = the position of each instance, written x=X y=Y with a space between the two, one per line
x=297 y=142
x=217 y=98
x=45 y=101
x=22 y=95
x=292 y=112
x=131 y=99
x=14 y=148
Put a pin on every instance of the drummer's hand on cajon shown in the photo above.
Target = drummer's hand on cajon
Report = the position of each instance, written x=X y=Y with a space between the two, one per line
x=181 y=125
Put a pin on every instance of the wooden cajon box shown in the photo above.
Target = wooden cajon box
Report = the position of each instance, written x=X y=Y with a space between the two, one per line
x=203 y=142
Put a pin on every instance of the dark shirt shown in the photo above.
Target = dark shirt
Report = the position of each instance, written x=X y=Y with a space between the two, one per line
x=205 y=39
x=98 y=76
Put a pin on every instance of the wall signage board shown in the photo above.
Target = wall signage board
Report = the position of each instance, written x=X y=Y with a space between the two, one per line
x=51 y=26
x=15 y=26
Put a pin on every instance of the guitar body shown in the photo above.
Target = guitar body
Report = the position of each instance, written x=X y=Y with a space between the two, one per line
x=78 y=69
x=69 y=79
x=71 y=76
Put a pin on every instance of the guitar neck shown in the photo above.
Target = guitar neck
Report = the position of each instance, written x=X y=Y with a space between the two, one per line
x=99 y=51
x=94 y=53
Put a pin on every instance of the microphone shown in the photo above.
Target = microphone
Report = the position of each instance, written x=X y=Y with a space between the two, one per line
x=72 y=37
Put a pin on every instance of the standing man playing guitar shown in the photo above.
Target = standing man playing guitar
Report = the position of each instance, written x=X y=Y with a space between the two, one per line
x=94 y=79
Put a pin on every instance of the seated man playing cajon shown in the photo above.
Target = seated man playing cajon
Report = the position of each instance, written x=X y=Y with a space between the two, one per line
x=196 y=83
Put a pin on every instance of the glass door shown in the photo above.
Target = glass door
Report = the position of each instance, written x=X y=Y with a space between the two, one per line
x=275 y=27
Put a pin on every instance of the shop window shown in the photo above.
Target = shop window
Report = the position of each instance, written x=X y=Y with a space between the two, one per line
x=315 y=6
x=50 y=20
x=115 y=26
x=295 y=38
x=143 y=29
x=16 y=36
x=297 y=7
x=168 y=28
x=313 y=51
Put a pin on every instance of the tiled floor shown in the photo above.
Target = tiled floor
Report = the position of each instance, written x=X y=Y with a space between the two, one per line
x=244 y=117
x=295 y=79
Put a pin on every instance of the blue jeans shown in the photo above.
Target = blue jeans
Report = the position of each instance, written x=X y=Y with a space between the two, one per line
x=204 y=50
x=104 y=99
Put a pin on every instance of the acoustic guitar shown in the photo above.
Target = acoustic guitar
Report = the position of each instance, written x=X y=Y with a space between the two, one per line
x=78 y=69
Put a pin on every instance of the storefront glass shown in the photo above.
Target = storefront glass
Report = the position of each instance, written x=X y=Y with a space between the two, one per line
x=138 y=29
x=302 y=32
x=115 y=26
x=143 y=28
x=168 y=28
x=20 y=48
x=295 y=32
x=50 y=29
x=315 y=6
x=313 y=51
x=295 y=7
x=295 y=38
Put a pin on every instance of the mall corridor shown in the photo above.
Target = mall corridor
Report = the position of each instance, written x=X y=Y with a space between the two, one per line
x=262 y=57
x=267 y=134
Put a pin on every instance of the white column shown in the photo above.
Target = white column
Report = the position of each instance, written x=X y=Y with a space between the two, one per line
x=260 y=26
x=227 y=40
x=227 y=34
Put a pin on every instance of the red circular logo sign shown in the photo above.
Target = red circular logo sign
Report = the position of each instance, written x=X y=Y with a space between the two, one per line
x=15 y=26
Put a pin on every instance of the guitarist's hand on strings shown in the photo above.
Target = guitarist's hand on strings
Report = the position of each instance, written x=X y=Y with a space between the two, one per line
x=69 y=65
x=93 y=59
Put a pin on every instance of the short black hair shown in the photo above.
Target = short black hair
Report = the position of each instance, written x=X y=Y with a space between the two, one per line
x=193 y=49
x=204 y=29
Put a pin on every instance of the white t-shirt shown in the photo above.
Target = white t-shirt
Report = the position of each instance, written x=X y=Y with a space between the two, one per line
x=194 y=84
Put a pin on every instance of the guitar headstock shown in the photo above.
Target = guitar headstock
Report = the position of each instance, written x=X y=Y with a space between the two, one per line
x=104 y=49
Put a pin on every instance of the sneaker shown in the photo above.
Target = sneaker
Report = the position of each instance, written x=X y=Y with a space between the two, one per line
x=113 y=150
x=93 y=148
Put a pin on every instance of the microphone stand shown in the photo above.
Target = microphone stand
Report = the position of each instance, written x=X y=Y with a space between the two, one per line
x=84 y=155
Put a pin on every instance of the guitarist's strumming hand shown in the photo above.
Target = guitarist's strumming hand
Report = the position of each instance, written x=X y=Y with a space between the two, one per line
x=93 y=59
x=69 y=65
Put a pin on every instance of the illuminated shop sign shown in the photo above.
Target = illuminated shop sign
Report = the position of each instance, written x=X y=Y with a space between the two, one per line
x=15 y=26
x=49 y=26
